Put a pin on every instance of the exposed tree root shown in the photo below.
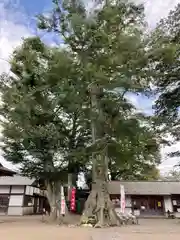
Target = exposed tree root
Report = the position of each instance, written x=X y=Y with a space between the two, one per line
x=56 y=218
x=99 y=210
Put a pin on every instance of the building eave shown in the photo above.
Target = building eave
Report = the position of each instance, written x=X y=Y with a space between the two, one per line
x=145 y=187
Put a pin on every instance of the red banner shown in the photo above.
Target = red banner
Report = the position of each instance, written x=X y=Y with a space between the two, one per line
x=73 y=199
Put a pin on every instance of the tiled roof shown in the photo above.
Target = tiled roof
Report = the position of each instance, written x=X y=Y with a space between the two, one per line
x=16 y=180
x=145 y=187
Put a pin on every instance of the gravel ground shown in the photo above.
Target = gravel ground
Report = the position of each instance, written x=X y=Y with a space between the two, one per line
x=31 y=228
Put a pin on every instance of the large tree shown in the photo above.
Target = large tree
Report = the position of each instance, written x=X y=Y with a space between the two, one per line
x=109 y=45
x=45 y=128
x=166 y=78
x=46 y=104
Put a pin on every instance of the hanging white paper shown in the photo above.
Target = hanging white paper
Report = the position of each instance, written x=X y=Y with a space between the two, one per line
x=63 y=203
x=123 y=200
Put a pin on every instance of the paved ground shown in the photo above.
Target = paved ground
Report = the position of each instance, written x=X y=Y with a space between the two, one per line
x=31 y=228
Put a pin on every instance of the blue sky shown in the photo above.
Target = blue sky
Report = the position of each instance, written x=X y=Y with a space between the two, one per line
x=35 y=7
x=17 y=20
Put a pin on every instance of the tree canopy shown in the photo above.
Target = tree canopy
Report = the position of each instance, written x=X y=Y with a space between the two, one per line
x=40 y=125
x=166 y=81
x=172 y=175
x=57 y=96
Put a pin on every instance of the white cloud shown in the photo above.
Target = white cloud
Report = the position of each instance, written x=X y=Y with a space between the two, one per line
x=169 y=163
x=154 y=9
x=157 y=9
x=12 y=29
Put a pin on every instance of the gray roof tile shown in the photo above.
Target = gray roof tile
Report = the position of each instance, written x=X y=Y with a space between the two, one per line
x=16 y=180
x=145 y=187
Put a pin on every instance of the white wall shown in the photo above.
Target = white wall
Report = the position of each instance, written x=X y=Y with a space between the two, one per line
x=168 y=204
x=16 y=197
x=18 y=211
x=17 y=189
x=15 y=205
x=4 y=189
x=16 y=200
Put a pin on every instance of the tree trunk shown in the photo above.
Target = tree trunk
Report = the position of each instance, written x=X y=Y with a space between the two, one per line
x=54 y=198
x=98 y=205
x=70 y=184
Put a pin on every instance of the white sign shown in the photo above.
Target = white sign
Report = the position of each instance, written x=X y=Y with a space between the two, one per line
x=63 y=203
x=123 y=201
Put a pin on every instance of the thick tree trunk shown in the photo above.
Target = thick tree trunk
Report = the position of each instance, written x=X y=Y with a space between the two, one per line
x=70 y=184
x=54 y=198
x=98 y=206
x=53 y=208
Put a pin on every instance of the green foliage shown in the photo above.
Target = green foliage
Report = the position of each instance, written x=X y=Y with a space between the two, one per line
x=112 y=53
x=44 y=126
x=173 y=175
x=166 y=37
x=47 y=106
x=145 y=173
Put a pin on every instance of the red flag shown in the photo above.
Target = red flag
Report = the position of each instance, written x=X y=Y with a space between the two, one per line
x=73 y=199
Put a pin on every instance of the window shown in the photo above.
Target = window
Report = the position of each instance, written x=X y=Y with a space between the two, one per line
x=4 y=201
